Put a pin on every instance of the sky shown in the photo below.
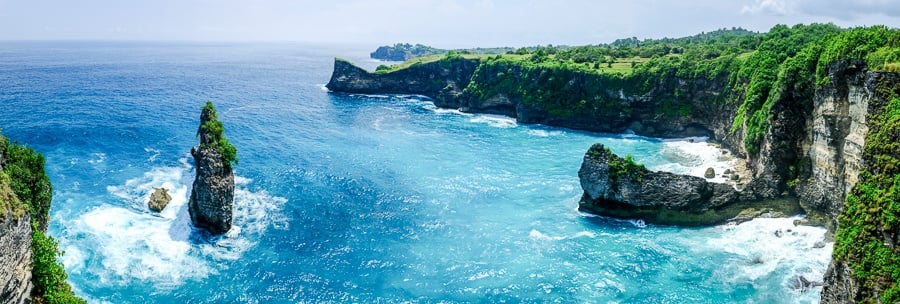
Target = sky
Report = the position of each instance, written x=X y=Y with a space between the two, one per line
x=440 y=23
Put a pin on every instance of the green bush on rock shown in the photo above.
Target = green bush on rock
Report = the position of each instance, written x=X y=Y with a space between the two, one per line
x=216 y=131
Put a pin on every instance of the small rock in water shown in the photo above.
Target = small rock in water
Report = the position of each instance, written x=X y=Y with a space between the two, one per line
x=159 y=199
x=727 y=171
x=710 y=173
x=819 y=244
x=779 y=233
x=735 y=177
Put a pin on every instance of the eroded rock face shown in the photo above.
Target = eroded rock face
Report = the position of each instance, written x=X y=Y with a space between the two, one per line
x=159 y=199
x=15 y=259
x=840 y=285
x=212 y=195
x=835 y=140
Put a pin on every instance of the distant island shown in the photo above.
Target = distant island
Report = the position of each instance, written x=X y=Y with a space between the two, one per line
x=813 y=110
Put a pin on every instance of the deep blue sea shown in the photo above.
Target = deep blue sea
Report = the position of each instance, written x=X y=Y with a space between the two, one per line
x=352 y=198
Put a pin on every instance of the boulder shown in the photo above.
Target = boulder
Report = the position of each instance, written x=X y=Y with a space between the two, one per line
x=159 y=199
x=710 y=173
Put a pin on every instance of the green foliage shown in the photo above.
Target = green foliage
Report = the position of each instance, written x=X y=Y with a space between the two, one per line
x=216 y=132
x=10 y=205
x=382 y=69
x=25 y=168
x=49 y=276
x=873 y=210
x=782 y=59
x=876 y=44
x=625 y=168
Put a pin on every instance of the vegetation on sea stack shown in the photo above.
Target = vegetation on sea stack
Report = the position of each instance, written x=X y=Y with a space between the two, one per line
x=216 y=132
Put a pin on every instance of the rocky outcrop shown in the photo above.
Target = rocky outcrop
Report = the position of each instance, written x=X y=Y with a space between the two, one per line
x=840 y=285
x=15 y=254
x=159 y=199
x=618 y=187
x=212 y=196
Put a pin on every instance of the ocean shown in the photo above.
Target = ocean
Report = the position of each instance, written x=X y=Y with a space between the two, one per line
x=353 y=198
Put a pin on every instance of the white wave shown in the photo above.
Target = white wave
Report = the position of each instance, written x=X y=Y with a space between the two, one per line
x=322 y=87
x=495 y=121
x=376 y=96
x=155 y=153
x=537 y=235
x=125 y=243
x=98 y=158
x=544 y=133
x=765 y=246
x=441 y=111
x=693 y=156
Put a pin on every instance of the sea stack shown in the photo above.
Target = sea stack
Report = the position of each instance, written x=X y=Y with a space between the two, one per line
x=212 y=196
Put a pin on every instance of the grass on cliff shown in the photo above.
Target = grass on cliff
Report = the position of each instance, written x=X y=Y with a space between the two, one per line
x=23 y=174
x=10 y=205
x=217 y=132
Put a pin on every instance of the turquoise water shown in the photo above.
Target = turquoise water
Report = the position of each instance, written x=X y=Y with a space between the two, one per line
x=352 y=198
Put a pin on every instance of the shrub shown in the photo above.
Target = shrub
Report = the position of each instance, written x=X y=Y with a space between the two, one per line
x=216 y=132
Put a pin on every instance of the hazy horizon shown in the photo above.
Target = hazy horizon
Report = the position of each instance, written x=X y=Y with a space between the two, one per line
x=439 y=23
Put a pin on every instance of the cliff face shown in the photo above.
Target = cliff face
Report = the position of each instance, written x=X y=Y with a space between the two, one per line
x=832 y=148
x=212 y=195
x=15 y=254
x=866 y=264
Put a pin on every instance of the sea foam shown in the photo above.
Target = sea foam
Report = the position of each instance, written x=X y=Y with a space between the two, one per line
x=129 y=243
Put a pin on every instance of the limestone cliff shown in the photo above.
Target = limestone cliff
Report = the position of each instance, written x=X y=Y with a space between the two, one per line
x=833 y=143
x=212 y=196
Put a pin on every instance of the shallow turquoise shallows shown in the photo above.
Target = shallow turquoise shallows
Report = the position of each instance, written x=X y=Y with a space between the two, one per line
x=351 y=198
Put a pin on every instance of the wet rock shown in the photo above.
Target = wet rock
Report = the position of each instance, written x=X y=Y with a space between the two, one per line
x=159 y=199
x=710 y=173
x=802 y=284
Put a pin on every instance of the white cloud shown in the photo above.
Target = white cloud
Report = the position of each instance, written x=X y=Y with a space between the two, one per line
x=776 y=7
